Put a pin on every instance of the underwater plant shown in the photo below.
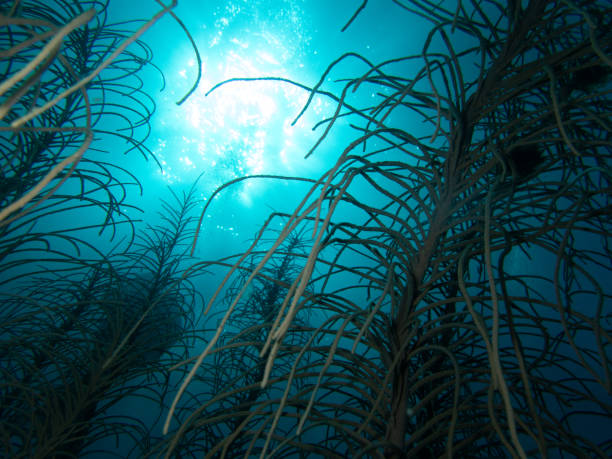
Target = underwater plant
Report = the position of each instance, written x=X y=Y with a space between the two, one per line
x=70 y=84
x=227 y=396
x=92 y=311
x=45 y=175
x=75 y=346
x=463 y=315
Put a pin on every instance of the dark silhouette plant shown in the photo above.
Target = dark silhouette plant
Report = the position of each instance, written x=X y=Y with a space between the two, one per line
x=85 y=327
x=73 y=346
x=227 y=396
x=432 y=342
x=44 y=171
x=66 y=69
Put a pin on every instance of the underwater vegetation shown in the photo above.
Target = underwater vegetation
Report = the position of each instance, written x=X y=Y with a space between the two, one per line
x=94 y=307
x=457 y=265
x=441 y=291
x=226 y=397
x=75 y=344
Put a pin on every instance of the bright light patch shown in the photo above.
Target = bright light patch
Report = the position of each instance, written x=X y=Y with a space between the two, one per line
x=246 y=199
x=185 y=160
x=243 y=45
x=266 y=105
x=194 y=116
x=288 y=129
x=267 y=58
x=241 y=128
x=283 y=157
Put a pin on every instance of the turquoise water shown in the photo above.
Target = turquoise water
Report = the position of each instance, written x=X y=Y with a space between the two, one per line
x=72 y=292
x=245 y=128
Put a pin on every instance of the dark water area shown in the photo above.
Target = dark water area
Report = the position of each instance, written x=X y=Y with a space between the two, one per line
x=305 y=228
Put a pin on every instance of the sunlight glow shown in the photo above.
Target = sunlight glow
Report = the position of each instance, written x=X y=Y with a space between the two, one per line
x=241 y=128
